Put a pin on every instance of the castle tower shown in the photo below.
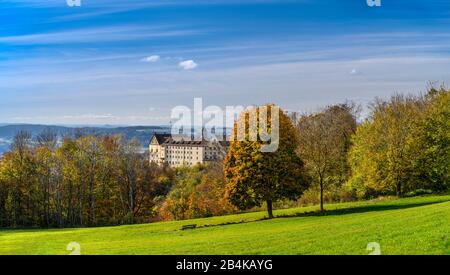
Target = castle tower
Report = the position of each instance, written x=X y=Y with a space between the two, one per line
x=204 y=134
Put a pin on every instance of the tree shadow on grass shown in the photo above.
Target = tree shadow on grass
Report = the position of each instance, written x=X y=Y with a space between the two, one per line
x=330 y=212
x=359 y=209
x=336 y=212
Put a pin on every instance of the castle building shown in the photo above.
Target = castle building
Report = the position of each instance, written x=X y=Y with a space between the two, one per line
x=177 y=151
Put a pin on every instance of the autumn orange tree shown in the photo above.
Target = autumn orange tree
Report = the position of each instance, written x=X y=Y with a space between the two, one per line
x=254 y=176
x=197 y=192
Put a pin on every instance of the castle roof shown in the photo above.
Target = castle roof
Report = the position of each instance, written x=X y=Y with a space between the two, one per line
x=182 y=142
x=168 y=139
x=161 y=138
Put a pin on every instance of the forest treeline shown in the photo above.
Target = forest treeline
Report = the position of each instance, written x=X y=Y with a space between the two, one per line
x=84 y=181
x=401 y=148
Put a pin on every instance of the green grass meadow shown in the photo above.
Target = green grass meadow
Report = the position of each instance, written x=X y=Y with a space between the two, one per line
x=418 y=225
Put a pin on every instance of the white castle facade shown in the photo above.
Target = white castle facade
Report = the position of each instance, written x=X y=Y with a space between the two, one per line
x=177 y=151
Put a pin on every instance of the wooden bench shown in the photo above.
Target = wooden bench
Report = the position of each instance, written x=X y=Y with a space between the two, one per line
x=188 y=226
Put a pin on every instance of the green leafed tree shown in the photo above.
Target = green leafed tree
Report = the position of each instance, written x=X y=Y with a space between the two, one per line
x=433 y=140
x=324 y=141
x=402 y=146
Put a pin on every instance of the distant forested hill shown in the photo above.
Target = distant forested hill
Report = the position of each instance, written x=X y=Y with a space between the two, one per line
x=142 y=133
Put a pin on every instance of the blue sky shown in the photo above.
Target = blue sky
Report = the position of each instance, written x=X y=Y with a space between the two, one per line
x=132 y=61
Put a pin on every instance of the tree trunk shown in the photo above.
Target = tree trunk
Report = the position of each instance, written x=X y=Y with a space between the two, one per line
x=91 y=199
x=399 y=189
x=70 y=214
x=321 y=194
x=269 y=208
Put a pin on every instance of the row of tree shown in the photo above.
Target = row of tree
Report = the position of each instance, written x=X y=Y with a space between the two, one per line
x=402 y=146
x=83 y=181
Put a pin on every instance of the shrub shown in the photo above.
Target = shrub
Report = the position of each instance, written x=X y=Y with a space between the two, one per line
x=418 y=192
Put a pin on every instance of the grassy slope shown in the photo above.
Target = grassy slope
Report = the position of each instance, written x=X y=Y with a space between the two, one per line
x=419 y=225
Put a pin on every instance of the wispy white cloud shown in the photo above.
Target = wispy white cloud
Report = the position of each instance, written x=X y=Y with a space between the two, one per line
x=37 y=3
x=130 y=4
x=92 y=119
x=98 y=34
x=91 y=9
x=301 y=86
x=188 y=65
x=250 y=73
x=151 y=58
